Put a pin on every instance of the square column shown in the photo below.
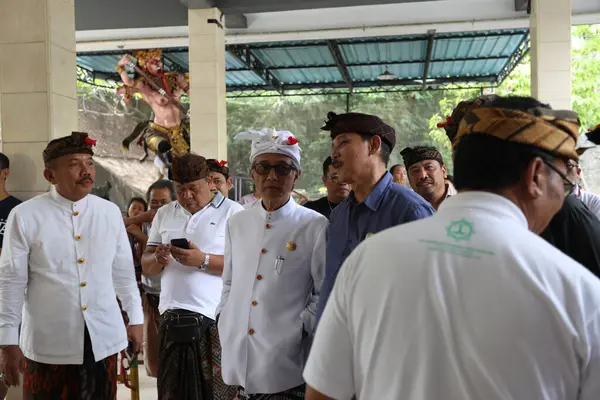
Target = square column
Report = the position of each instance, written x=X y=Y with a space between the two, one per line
x=38 y=86
x=208 y=93
x=551 y=52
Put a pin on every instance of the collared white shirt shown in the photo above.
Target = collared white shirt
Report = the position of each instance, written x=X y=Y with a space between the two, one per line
x=591 y=200
x=184 y=287
x=467 y=304
x=63 y=265
x=274 y=268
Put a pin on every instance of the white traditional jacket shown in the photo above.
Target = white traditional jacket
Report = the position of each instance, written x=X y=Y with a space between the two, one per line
x=63 y=265
x=274 y=267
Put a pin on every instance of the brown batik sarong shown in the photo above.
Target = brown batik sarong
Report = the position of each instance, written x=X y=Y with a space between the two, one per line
x=296 y=393
x=90 y=381
x=189 y=359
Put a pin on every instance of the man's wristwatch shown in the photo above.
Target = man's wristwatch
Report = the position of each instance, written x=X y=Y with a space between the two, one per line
x=204 y=265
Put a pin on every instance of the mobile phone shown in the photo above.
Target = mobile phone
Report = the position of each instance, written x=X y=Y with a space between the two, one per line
x=181 y=243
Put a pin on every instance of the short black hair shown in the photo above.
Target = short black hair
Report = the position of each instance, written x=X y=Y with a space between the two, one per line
x=485 y=162
x=385 y=150
x=328 y=161
x=139 y=200
x=162 y=184
x=395 y=166
x=4 y=162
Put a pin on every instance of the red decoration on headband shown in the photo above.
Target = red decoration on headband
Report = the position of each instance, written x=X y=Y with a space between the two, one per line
x=593 y=129
x=222 y=163
x=292 y=141
x=90 y=141
x=446 y=123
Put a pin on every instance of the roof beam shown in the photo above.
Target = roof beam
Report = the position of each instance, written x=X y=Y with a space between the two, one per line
x=375 y=63
x=488 y=79
x=249 y=59
x=428 y=55
x=236 y=21
x=523 y=5
x=339 y=61
x=263 y=6
x=232 y=20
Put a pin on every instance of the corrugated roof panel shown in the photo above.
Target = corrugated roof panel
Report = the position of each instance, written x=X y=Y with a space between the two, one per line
x=102 y=63
x=308 y=75
x=465 y=68
x=232 y=62
x=181 y=58
x=384 y=52
x=494 y=46
x=243 y=78
x=295 y=56
x=371 y=72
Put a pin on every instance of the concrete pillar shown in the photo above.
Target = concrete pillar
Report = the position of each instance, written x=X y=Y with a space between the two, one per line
x=207 y=83
x=551 y=52
x=38 y=98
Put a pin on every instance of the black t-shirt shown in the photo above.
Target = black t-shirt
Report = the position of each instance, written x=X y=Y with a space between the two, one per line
x=575 y=230
x=322 y=206
x=6 y=207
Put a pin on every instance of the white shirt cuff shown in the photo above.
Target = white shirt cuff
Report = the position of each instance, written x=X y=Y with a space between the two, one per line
x=136 y=317
x=9 y=336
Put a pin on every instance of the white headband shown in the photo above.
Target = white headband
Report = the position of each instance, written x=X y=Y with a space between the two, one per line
x=270 y=141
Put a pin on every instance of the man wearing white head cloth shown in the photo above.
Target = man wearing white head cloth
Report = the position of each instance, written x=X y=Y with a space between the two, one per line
x=274 y=266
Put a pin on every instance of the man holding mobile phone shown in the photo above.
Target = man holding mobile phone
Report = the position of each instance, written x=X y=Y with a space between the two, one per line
x=186 y=246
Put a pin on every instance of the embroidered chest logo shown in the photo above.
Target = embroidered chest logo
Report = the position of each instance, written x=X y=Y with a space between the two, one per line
x=460 y=230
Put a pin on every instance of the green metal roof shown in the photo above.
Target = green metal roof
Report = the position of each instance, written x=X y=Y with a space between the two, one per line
x=417 y=61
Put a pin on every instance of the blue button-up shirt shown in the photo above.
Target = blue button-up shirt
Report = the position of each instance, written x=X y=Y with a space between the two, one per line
x=389 y=204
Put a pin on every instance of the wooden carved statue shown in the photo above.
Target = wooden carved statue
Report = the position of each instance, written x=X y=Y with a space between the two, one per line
x=167 y=134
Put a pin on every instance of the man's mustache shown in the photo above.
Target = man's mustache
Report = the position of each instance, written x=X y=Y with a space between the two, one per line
x=86 y=179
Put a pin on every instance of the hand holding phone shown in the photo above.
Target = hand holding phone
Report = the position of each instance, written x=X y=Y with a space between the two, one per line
x=181 y=243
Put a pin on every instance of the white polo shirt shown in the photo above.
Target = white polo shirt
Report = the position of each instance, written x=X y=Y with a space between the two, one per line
x=184 y=287
x=467 y=304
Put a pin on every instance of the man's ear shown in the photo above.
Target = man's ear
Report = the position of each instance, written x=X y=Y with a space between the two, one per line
x=49 y=175
x=374 y=144
x=229 y=183
x=323 y=179
x=298 y=173
x=535 y=178
x=445 y=171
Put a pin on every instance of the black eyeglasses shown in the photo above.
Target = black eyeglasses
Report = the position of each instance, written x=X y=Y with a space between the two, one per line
x=569 y=185
x=280 y=169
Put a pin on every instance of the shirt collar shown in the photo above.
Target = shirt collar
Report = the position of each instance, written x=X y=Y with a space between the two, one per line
x=216 y=202
x=450 y=191
x=66 y=203
x=489 y=202
x=280 y=213
x=374 y=199
x=576 y=191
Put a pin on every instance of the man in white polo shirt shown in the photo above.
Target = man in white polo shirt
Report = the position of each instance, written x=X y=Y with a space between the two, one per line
x=471 y=303
x=189 y=351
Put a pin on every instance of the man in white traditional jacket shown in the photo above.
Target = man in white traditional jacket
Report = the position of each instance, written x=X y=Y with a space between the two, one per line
x=471 y=303
x=65 y=259
x=274 y=267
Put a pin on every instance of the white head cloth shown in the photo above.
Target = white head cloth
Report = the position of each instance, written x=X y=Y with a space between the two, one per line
x=270 y=141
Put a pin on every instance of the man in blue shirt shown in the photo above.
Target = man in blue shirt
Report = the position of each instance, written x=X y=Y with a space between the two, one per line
x=361 y=150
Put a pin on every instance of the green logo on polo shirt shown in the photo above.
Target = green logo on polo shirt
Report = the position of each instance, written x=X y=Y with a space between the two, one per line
x=460 y=230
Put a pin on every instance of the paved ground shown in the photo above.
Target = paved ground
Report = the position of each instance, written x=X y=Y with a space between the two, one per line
x=147 y=388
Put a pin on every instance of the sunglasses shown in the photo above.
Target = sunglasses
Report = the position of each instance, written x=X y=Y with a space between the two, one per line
x=281 y=169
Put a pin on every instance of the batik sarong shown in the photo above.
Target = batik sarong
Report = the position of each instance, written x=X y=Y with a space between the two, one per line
x=90 y=381
x=296 y=393
x=189 y=359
